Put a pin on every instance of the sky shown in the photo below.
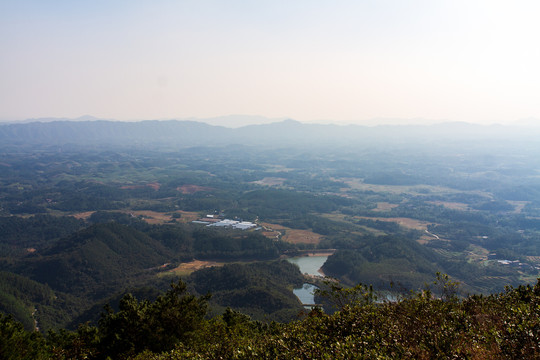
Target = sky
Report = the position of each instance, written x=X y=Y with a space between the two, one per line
x=343 y=61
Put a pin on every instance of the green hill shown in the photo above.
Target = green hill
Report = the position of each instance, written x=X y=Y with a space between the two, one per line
x=262 y=290
x=35 y=305
x=17 y=234
x=97 y=260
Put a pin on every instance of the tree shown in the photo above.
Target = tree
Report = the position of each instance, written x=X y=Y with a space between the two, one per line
x=16 y=343
x=340 y=296
x=159 y=326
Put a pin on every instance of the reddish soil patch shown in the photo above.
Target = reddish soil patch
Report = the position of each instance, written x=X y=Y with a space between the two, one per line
x=191 y=189
x=424 y=239
x=154 y=185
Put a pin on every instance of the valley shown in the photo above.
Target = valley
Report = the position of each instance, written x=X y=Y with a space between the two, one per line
x=87 y=224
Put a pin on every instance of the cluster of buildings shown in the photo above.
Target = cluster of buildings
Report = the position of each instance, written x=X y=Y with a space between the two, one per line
x=212 y=220
x=514 y=263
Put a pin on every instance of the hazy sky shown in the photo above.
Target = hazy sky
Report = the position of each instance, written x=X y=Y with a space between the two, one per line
x=309 y=60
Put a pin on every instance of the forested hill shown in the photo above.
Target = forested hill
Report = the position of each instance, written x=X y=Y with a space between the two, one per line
x=95 y=259
x=288 y=132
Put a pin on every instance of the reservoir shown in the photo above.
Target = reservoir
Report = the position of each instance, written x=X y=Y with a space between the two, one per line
x=308 y=265
x=306 y=294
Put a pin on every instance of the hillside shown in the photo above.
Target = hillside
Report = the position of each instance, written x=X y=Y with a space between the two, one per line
x=260 y=290
x=36 y=305
x=96 y=260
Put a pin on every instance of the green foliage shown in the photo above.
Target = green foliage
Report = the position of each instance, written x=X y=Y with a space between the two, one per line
x=318 y=224
x=387 y=226
x=213 y=244
x=445 y=288
x=17 y=343
x=92 y=314
x=383 y=259
x=285 y=204
x=177 y=238
x=35 y=231
x=494 y=206
x=19 y=296
x=97 y=260
x=422 y=326
x=262 y=290
x=36 y=305
x=156 y=326
x=118 y=217
x=340 y=296
x=81 y=344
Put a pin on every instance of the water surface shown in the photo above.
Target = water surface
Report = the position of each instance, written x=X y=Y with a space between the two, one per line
x=308 y=265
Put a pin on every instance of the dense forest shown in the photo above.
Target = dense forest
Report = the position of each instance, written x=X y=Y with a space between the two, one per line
x=421 y=326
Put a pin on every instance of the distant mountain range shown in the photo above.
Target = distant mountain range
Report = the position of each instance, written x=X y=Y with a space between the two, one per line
x=286 y=133
x=230 y=121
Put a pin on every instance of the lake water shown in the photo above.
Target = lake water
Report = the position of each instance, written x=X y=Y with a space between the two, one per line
x=308 y=265
x=306 y=294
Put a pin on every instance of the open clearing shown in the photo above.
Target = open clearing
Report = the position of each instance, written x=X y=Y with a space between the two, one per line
x=385 y=206
x=270 y=181
x=84 y=215
x=187 y=216
x=301 y=236
x=451 y=205
x=424 y=239
x=154 y=217
x=406 y=222
x=294 y=236
x=189 y=267
x=518 y=205
x=477 y=253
